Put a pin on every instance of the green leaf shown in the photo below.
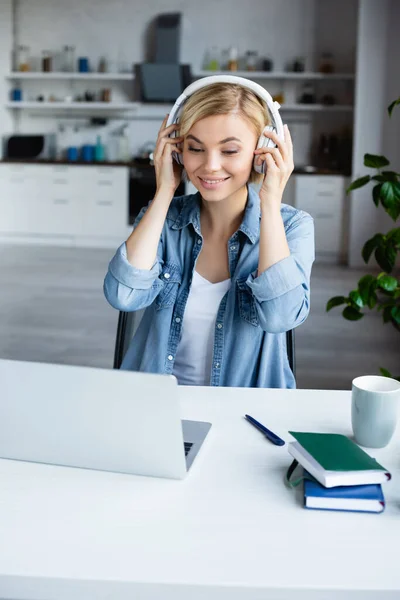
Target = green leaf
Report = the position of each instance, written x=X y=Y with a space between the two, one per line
x=386 y=258
x=370 y=246
x=358 y=183
x=335 y=301
x=375 y=161
x=366 y=287
x=390 y=175
x=386 y=282
x=392 y=105
x=394 y=236
x=395 y=312
x=386 y=176
x=376 y=193
x=390 y=198
x=356 y=299
x=372 y=300
x=352 y=314
x=385 y=372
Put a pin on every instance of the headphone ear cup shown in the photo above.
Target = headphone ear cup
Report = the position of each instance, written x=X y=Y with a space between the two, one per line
x=177 y=158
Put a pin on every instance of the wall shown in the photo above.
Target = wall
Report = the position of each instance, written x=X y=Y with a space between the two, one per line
x=391 y=126
x=6 y=125
x=370 y=106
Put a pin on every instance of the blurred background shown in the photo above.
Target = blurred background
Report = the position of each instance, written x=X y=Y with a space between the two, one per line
x=84 y=87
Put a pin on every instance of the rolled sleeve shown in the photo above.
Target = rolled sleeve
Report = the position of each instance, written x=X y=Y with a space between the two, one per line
x=128 y=288
x=279 y=279
x=125 y=273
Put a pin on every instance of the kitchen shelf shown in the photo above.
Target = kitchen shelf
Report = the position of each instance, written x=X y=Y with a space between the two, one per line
x=149 y=110
x=106 y=106
x=279 y=75
x=70 y=76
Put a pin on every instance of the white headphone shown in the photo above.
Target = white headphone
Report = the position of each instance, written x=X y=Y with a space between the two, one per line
x=273 y=108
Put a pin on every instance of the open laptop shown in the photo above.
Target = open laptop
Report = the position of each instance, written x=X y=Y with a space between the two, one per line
x=105 y=419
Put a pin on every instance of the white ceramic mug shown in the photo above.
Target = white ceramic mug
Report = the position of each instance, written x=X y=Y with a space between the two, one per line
x=374 y=401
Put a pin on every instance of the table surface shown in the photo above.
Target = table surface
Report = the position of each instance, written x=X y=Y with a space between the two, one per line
x=231 y=529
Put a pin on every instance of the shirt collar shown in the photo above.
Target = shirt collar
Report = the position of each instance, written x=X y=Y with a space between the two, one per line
x=250 y=226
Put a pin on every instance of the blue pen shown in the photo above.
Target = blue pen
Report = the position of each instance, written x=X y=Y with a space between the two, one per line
x=272 y=437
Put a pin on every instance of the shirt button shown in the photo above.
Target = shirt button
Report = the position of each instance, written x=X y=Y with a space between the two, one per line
x=199 y=241
x=233 y=247
x=219 y=325
x=177 y=320
x=167 y=275
x=216 y=365
x=170 y=357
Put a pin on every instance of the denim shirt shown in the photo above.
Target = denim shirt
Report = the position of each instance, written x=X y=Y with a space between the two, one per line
x=253 y=316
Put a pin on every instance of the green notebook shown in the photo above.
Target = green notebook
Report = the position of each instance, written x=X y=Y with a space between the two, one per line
x=334 y=460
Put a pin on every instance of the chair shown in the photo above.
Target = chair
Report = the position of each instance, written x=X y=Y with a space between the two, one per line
x=129 y=321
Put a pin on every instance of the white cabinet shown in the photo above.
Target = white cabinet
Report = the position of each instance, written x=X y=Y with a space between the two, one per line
x=83 y=205
x=19 y=193
x=322 y=196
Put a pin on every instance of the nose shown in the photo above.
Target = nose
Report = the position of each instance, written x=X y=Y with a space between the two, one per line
x=212 y=161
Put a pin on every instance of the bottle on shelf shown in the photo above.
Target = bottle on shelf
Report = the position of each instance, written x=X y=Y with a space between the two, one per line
x=46 y=61
x=233 y=59
x=23 y=58
x=251 y=59
x=69 y=59
x=124 y=150
x=326 y=63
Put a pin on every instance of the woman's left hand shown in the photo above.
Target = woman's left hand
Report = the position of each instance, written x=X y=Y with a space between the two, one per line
x=279 y=166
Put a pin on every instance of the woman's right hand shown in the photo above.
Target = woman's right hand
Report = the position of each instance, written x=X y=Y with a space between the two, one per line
x=168 y=171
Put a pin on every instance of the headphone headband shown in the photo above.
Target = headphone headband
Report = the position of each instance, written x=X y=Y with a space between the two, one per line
x=273 y=107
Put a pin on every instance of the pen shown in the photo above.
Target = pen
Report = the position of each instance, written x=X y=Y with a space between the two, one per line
x=272 y=437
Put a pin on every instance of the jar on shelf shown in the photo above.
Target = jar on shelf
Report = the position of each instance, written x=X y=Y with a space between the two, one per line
x=213 y=63
x=233 y=59
x=326 y=63
x=47 y=61
x=23 y=58
x=251 y=60
x=69 y=59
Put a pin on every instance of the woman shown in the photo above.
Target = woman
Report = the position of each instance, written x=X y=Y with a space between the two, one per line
x=224 y=273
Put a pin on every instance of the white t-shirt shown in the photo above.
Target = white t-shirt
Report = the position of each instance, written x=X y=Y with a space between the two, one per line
x=195 y=350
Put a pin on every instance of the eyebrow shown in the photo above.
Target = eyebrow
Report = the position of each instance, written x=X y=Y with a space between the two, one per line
x=228 y=139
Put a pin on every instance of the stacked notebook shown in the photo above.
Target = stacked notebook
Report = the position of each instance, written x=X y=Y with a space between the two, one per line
x=339 y=475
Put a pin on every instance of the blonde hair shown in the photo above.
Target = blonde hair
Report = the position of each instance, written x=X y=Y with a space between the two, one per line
x=222 y=99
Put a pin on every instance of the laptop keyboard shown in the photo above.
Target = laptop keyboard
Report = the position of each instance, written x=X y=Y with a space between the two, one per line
x=187 y=445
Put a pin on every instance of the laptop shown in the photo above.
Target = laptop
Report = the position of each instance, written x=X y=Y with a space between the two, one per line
x=93 y=418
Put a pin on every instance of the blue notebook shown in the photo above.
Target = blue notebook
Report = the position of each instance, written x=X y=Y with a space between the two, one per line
x=359 y=498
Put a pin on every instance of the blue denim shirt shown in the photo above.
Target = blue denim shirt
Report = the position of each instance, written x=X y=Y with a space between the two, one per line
x=253 y=316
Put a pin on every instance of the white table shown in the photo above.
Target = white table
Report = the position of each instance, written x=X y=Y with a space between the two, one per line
x=230 y=530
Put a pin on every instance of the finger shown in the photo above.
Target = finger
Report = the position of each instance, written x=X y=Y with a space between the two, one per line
x=288 y=137
x=276 y=155
x=281 y=144
x=271 y=163
x=163 y=143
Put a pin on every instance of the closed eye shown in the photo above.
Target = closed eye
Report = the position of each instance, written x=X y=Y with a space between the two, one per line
x=197 y=150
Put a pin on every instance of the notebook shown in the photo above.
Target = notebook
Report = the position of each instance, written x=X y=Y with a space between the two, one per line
x=359 y=498
x=334 y=460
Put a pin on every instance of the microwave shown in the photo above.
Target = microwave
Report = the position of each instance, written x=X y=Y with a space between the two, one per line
x=32 y=146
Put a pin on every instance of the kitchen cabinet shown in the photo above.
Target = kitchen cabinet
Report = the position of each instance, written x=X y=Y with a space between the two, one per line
x=323 y=197
x=64 y=204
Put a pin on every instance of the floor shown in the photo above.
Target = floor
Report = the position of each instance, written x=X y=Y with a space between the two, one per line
x=52 y=309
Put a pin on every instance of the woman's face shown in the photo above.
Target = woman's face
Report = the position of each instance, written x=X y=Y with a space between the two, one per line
x=218 y=155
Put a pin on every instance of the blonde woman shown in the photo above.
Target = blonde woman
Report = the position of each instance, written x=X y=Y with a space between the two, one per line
x=224 y=273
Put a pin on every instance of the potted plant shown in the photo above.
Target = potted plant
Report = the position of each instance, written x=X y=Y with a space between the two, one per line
x=381 y=292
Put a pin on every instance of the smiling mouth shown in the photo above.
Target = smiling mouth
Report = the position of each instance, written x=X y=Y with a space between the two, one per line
x=213 y=181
